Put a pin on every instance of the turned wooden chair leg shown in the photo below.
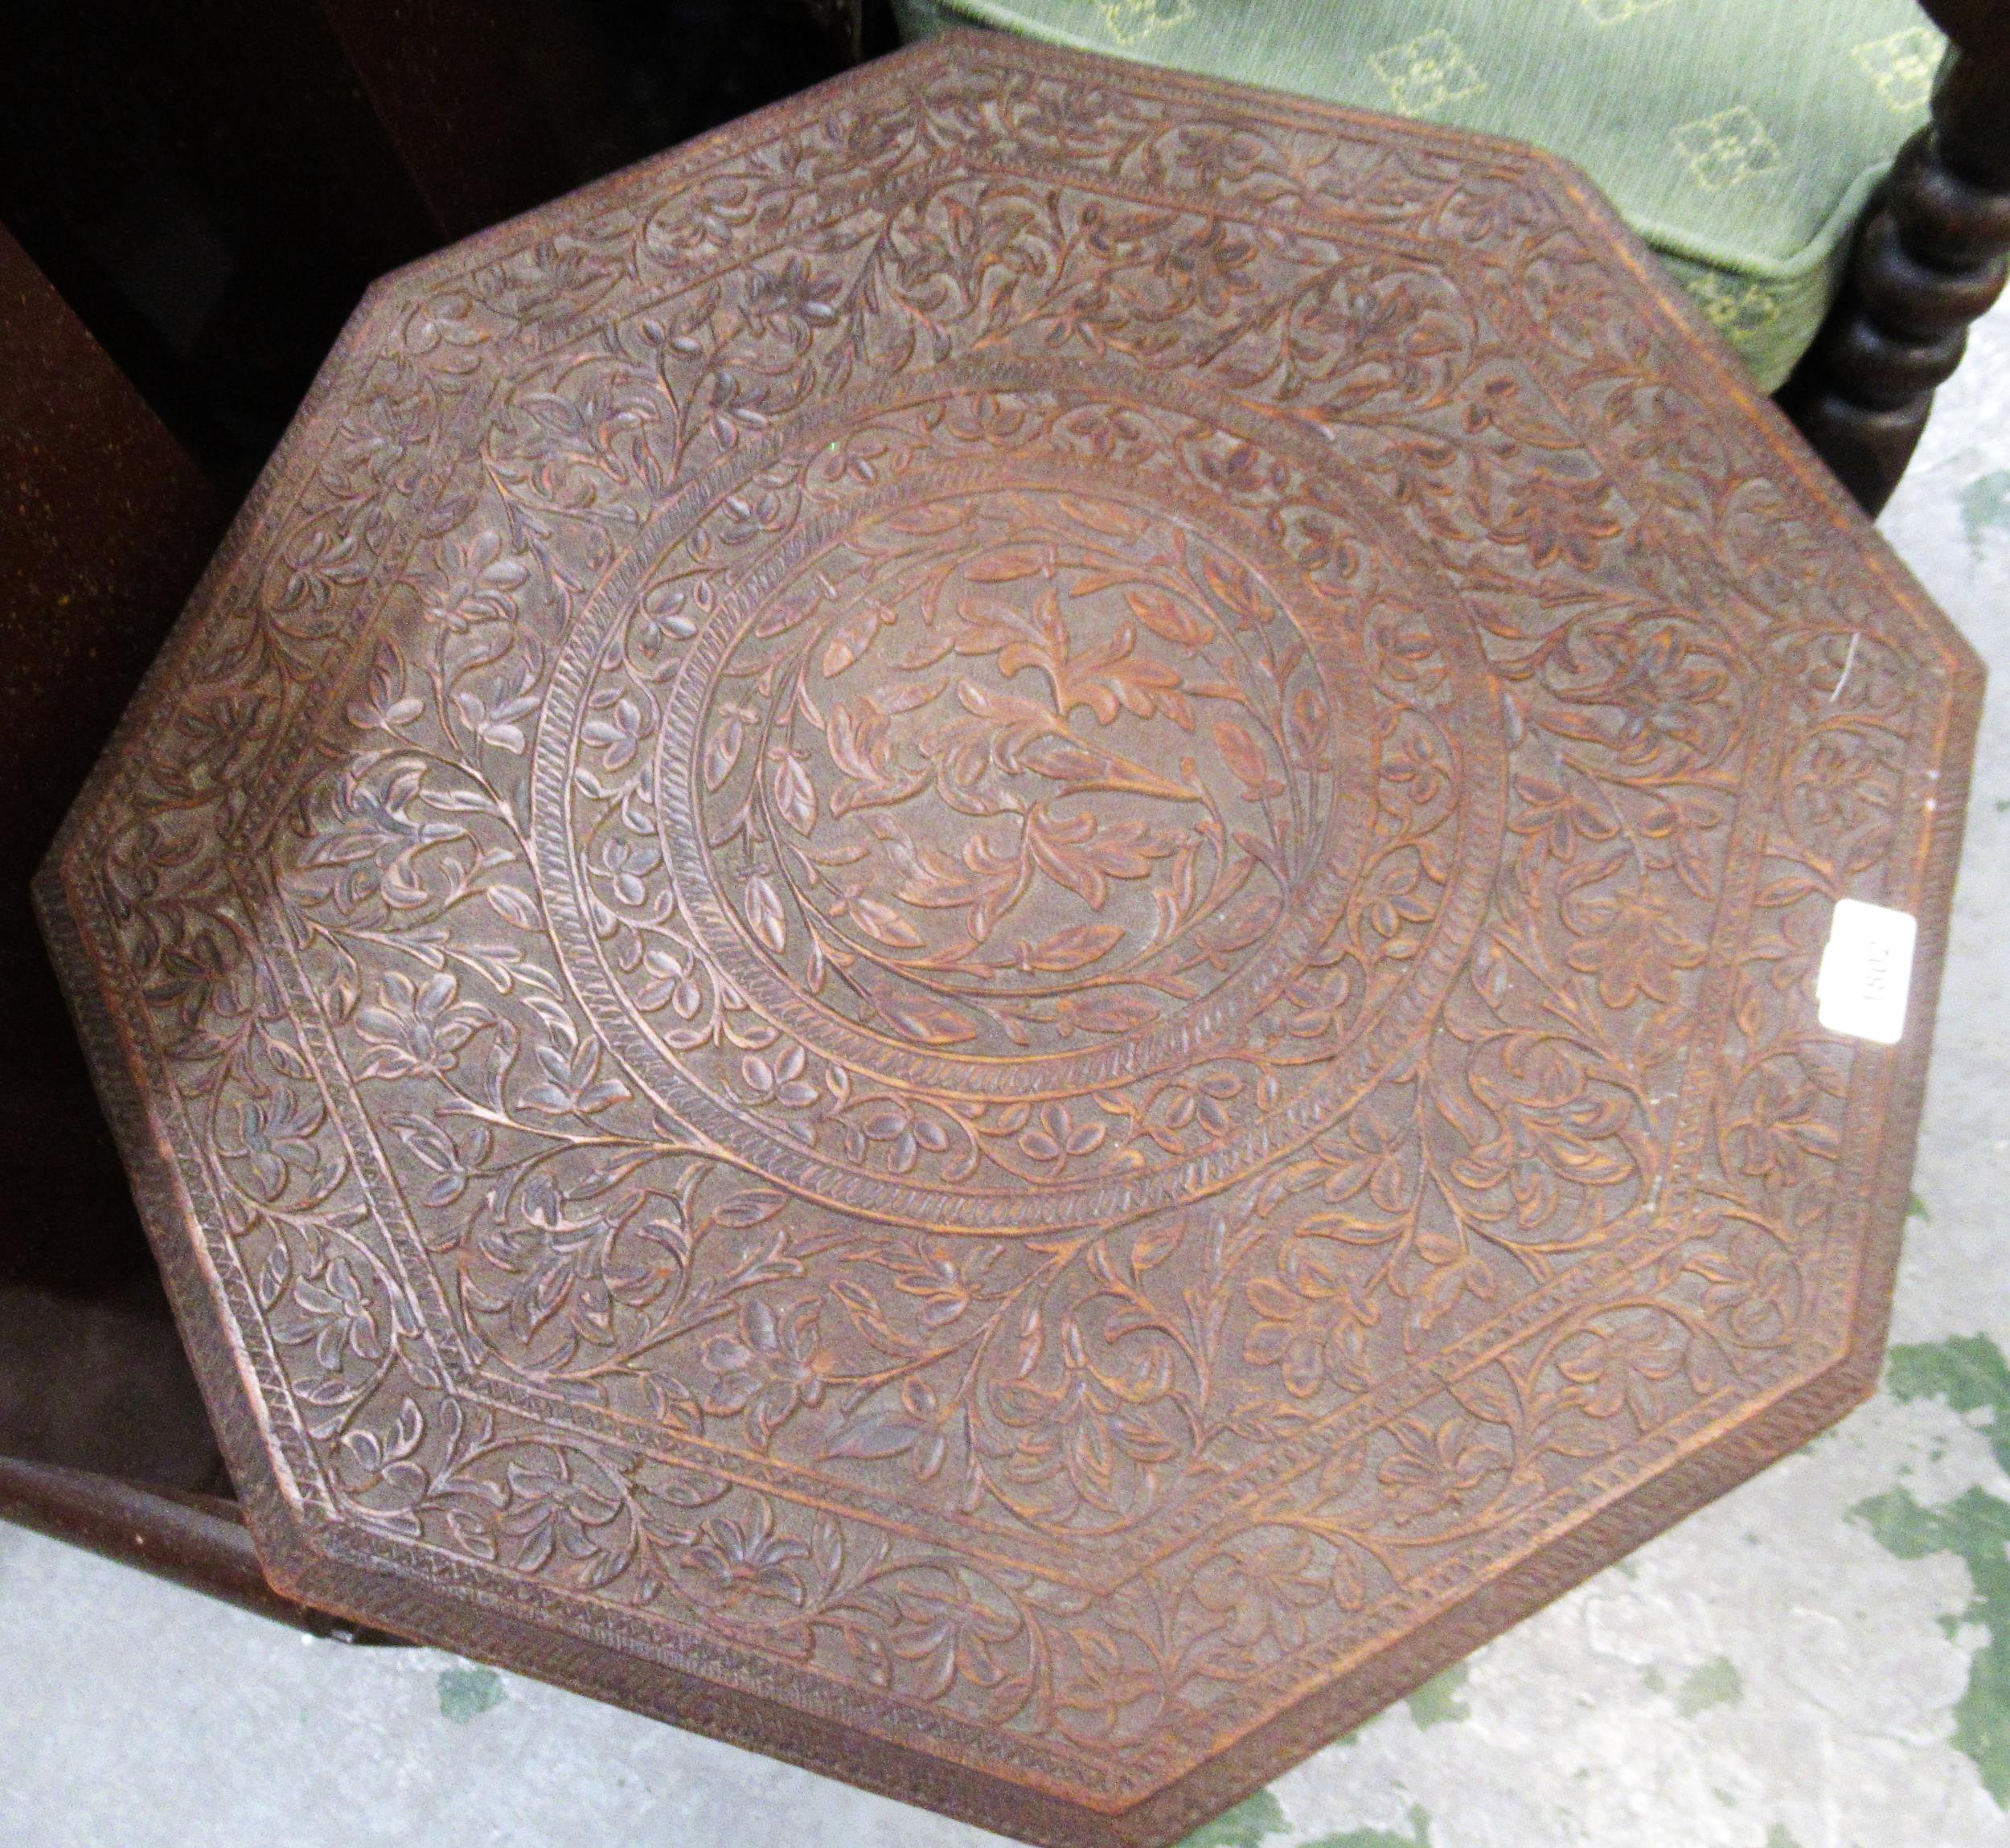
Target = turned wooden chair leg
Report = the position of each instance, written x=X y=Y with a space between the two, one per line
x=1931 y=259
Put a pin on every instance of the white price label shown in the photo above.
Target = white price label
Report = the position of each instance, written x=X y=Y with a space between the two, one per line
x=1866 y=972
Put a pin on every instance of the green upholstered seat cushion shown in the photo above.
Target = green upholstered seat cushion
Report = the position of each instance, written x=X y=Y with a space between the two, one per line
x=1740 y=138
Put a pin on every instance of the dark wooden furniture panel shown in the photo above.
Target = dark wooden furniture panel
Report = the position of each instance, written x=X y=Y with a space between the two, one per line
x=108 y=524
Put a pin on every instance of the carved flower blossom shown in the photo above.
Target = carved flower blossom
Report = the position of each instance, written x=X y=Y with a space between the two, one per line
x=892 y=1126
x=667 y=981
x=552 y=1510
x=572 y=1083
x=1243 y=469
x=772 y=1366
x=496 y=724
x=1557 y=516
x=331 y=1311
x=1075 y=118
x=1839 y=782
x=1633 y=946
x=1667 y=689
x=1205 y=1098
x=414 y=1032
x=618 y=730
x=323 y=561
x=1398 y=896
x=1208 y=269
x=1779 y=1131
x=1216 y=155
x=1366 y=1154
x=943 y=1291
x=628 y=864
x=1311 y=1322
x=1754 y=1285
x=1617 y=1361
x=1263 y=1585
x=753 y=1561
x=1435 y=1469
x=478 y=583
x=1054 y=1137
x=271 y=1136
x=1562 y=810
x=1418 y=759
x=791 y=293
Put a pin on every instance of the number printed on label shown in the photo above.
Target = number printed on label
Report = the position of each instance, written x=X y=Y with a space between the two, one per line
x=1866 y=972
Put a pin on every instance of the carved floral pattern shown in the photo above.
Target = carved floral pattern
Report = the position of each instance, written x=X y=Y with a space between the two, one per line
x=974 y=892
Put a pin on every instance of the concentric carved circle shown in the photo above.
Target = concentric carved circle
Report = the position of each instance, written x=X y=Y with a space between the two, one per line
x=1020 y=812
x=1019 y=797
x=1019 y=645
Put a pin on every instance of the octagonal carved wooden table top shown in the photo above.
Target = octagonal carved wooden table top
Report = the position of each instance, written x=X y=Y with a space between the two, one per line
x=977 y=935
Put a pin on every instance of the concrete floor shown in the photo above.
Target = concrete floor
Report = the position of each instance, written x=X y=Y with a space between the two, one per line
x=1820 y=1660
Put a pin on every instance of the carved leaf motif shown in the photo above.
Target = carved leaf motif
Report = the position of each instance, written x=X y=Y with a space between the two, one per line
x=764 y=915
x=1074 y=948
x=1110 y=1013
x=851 y=637
x=794 y=798
x=883 y=924
x=722 y=751
x=931 y=1021
x=1231 y=583
x=1079 y=852
x=1008 y=565
x=1246 y=759
x=1172 y=621
x=516 y=906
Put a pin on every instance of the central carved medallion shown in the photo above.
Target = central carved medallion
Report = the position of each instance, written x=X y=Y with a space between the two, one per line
x=1022 y=801
x=998 y=774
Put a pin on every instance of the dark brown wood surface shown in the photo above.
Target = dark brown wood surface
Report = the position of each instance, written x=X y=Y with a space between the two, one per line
x=476 y=96
x=108 y=523
x=211 y=186
x=976 y=935
x=493 y=106
x=1931 y=257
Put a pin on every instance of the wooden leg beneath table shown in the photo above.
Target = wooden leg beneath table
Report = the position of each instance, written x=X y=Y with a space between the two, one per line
x=1931 y=260
x=194 y=1539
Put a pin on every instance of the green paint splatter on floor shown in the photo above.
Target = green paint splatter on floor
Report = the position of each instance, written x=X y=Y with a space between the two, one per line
x=1420 y=1836
x=1916 y=1209
x=465 y=1692
x=1437 y=1702
x=1777 y=1837
x=1717 y=1683
x=1654 y=1681
x=1969 y=1373
x=1253 y=1820
x=1985 y=503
